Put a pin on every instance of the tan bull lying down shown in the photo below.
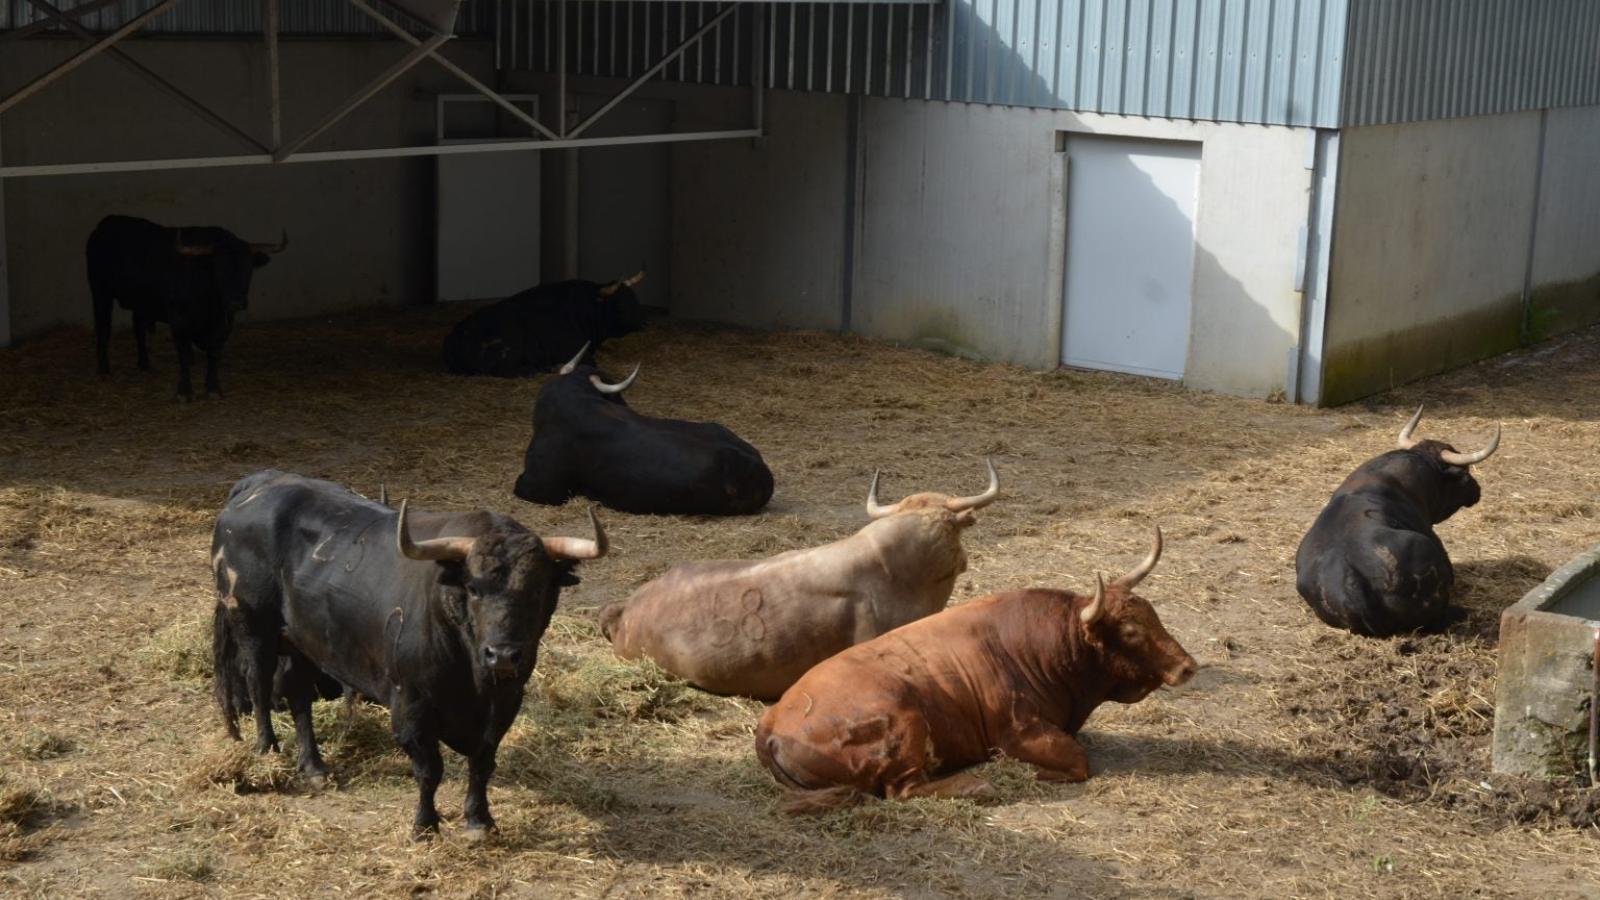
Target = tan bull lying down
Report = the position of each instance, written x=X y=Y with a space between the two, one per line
x=1015 y=673
x=752 y=628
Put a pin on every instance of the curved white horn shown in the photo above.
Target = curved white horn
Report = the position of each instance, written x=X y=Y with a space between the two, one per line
x=573 y=363
x=978 y=501
x=873 y=509
x=1468 y=459
x=617 y=388
x=1406 y=441
x=579 y=548
x=633 y=279
x=1097 y=606
x=1132 y=579
x=450 y=549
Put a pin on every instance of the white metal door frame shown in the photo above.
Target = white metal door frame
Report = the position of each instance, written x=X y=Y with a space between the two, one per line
x=1062 y=262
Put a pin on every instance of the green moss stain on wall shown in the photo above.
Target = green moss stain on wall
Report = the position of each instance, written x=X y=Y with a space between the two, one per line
x=1363 y=367
x=1563 y=306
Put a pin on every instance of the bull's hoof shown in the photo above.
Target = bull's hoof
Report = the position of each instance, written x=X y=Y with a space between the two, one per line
x=213 y=395
x=477 y=833
x=421 y=833
x=184 y=398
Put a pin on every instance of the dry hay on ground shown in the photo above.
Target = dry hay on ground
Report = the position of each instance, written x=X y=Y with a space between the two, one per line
x=1301 y=762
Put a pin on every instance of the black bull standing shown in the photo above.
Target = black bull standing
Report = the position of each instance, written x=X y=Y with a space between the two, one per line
x=192 y=279
x=1371 y=562
x=586 y=440
x=437 y=615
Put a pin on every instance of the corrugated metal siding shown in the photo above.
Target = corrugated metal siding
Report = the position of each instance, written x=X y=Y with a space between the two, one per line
x=1411 y=60
x=1262 y=61
x=231 y=17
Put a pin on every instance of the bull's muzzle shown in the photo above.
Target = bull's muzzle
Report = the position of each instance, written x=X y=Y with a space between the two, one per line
x=1181 y=674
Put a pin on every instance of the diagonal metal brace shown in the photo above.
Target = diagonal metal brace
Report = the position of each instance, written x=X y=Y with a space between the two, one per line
x=456 y=70
x=649 y=73
x=86 y=54
x=77 y=12
x=418 y=54
x=120 y=56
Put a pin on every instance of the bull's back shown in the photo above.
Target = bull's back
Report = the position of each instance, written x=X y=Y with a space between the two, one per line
x=1363 y=568
x=647 y=465
x=750 y=629
x=127 y=257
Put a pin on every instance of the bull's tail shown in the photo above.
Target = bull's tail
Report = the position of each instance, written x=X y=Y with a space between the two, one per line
x=802 y=800
x=228 y=684
x=610 y=616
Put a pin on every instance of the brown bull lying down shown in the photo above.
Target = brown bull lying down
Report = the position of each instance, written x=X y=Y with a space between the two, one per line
x=753 y=627
x=1015 y=673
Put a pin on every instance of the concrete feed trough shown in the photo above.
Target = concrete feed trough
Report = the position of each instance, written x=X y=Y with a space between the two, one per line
x=1547 y=652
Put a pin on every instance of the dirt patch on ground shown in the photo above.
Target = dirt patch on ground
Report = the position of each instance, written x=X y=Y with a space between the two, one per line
x=1300 y=762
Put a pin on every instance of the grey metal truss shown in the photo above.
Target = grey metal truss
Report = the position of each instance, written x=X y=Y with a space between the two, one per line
x=277 y=150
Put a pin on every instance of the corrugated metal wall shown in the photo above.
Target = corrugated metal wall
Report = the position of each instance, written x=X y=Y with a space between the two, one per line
x=1410 y=60
x=1263 y=61
x=230 y=17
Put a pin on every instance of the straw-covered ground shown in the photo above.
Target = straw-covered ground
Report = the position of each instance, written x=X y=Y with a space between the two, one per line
x=1300 y=762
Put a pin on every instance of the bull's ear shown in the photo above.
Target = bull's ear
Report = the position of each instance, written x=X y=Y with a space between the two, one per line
x=260 y=259
x=453 y=602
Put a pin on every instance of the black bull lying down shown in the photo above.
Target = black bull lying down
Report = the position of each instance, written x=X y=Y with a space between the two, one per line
x=587 y=441
x=192 y=279
x=1371 y=562
x=436 y=615
x=535 y=330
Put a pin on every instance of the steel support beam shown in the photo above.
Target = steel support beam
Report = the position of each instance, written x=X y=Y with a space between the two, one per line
x=456 y=70
x=5 y=273
x=260 y=159
x=561 y=67
x=758 y=67
x=86 y=54
x=77 y=12
x=418 y=54
x=274 y=82
x=650 y=73
x=157 y=81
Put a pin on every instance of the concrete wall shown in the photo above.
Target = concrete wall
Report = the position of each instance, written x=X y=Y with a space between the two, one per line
x=361 y=232
x=1565 y=280
x=1434 y=233
x=957 y=240
x=955 y=243
x=759 y=229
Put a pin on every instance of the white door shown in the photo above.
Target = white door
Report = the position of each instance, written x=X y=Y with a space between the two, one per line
x=1130 y=254
x=488 y=208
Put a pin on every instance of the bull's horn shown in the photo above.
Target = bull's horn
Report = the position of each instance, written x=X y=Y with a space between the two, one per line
x=279 y=247
x=1097 y=606
x=617 y=388
x=1469 y=459
x=873 y=509
x=978 y=501
x=579 y=548
x=633 y=279
x=1406 y=441
x=383 y=493
x=606 y=291
x=450 y=549
x=1132 y=579
x=183 y=249
x=573 y=363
